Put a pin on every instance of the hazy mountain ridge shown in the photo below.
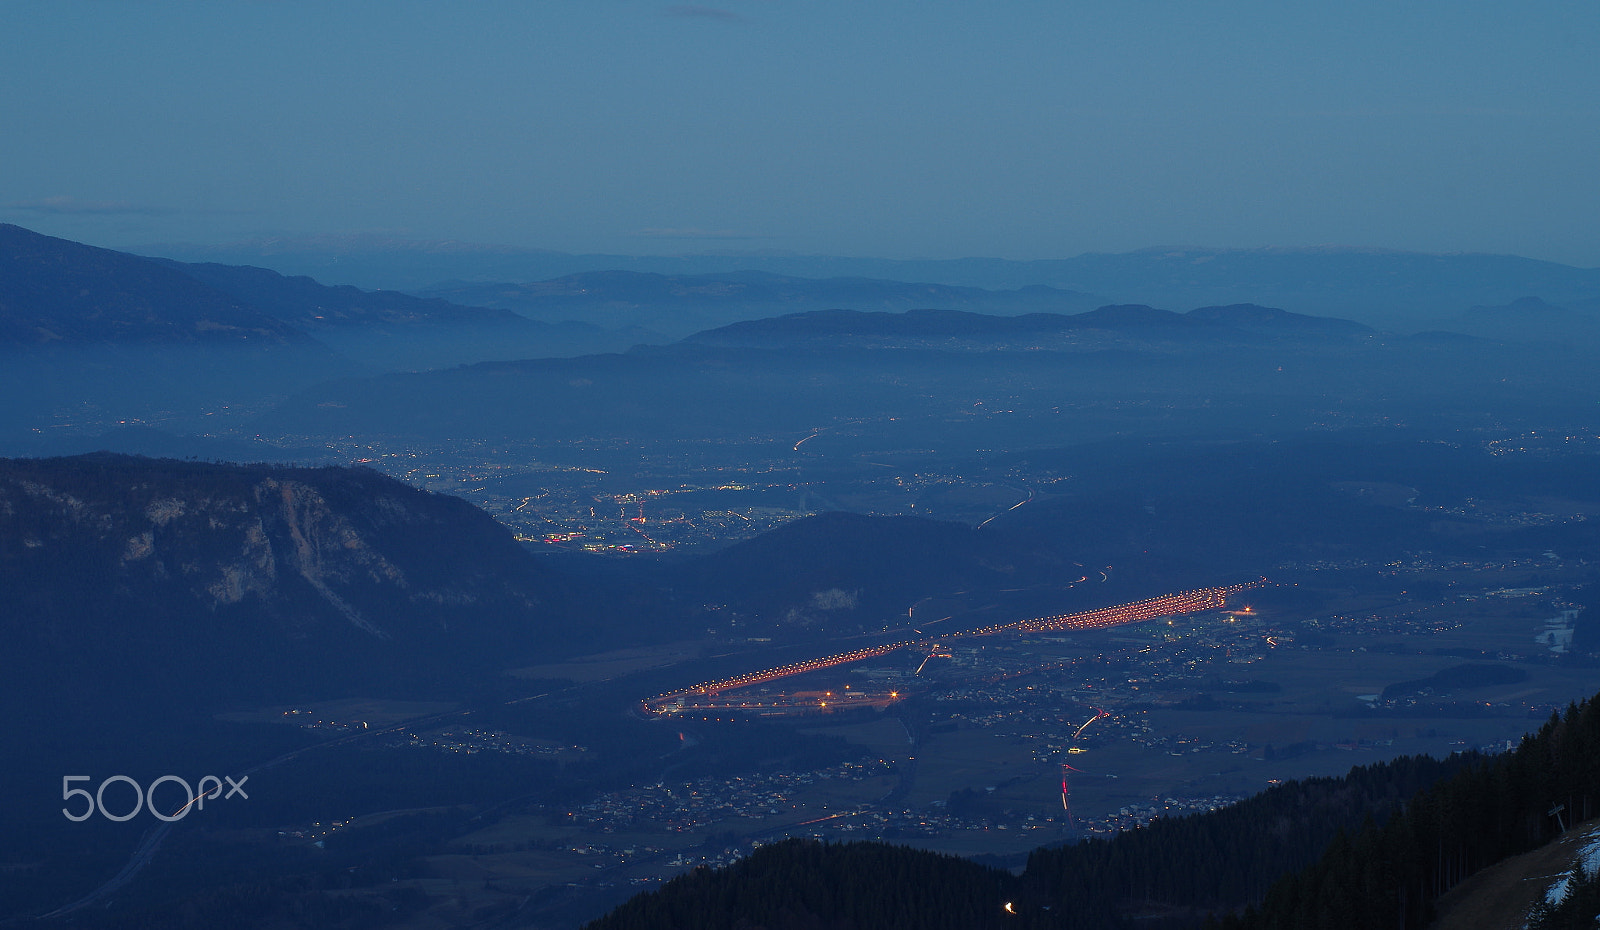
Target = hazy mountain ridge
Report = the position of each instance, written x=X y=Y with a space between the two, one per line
x=101 y=337
x=308 y=304
x=1526 y=319
x=680 y=304
x=58 y=291
x=1273 y=319
x=1246 y=323
x=91 y=334
x=1382 y=288
x=784 y=382
x=388 y=330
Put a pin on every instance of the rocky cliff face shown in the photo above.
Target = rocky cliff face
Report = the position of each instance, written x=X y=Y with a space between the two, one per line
x=248 y=572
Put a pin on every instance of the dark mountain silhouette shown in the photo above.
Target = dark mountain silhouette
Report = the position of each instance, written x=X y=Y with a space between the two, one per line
x=188 y=581
x=92 y=338
x=806 y=884
x=53 y=291
x=1172 y=873
x=159 y=617
x=95 y=337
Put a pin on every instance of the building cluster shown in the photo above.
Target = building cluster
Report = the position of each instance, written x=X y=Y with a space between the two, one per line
x=1137 y=815
x=316 y=832
x=682 y=807
x=468 y=741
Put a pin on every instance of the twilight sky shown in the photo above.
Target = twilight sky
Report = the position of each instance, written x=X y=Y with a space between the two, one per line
x=890 y=128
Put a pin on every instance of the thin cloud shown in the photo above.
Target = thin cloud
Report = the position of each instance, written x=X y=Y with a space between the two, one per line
x=688 y=11
x=73 y=206
x=692 y=233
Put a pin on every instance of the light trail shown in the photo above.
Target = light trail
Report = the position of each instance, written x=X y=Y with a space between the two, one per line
x=1167 y=605
x=1066 y=795
x=814 y=434
x=807 y=823
x=1008 y=509
x=933 y=653
x=208 y=795
x=658 y=703
x=1098 y=714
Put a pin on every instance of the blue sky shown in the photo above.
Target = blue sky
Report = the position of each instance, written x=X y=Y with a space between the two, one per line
x=927 y=129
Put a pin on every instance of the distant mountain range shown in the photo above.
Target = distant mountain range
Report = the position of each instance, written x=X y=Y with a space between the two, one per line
x=302 y=302
x=97 y=338
x=1225 y=367
x=390 y=330
x=1239 y=322
x=1528 y=319
x=677 y=305
x=58 y=291
x=1388 y=290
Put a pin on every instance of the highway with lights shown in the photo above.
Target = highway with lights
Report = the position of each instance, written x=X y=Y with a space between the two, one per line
x=1167 y=605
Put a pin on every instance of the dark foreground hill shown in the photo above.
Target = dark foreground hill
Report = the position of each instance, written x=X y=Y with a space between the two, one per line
x=1374 y=849
x=799 y=884
x=193 y=581
x=1170 y=874
x=157 y=617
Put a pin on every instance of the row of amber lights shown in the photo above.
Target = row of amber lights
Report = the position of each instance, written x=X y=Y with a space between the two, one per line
x=1166 y=605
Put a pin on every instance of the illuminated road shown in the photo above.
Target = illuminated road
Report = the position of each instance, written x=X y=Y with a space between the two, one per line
x=657 y=703
x=1167 y=605
x=1002 y=513
x=1184 y=602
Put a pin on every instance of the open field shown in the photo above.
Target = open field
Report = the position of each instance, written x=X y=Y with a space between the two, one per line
x=604 y=666
x=349 y=712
